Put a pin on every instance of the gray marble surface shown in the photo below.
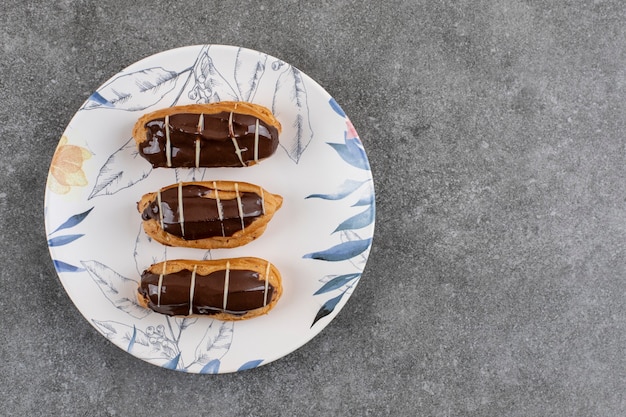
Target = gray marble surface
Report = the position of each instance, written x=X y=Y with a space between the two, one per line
x=497 y=278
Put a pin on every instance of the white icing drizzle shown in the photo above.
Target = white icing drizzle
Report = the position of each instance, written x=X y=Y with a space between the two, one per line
x=168 y=143
x=220 y=208
x=231 y=133
x=201 y=123
x=192 y=288
x=197 y=153
x=267 y=284
x=226 y=282
x=160 y=284
x=239 y=205
x=238 y=151
x=256 y=141
x=262 y=200
x=160 y=209
x=181 y=215
x=200 y=128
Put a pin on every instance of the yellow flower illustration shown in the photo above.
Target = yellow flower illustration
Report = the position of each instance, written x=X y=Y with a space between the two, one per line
x=66 y=167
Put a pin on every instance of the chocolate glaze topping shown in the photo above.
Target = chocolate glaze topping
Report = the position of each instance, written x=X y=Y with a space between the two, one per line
x=205 y=213
x=223 y=139
x=246 y=291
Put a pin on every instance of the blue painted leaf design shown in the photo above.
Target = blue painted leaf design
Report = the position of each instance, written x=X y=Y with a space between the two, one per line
x=215 y=342
x=363 y=219
x=345 y=189
x=210 y=85
x=65 y=267
x=63 y=240
x=134 y=91
x=248 y=73
x=131 y=342
x=342 y=251
x=352 y=152
x=336 y=107
x=360 y=260
x=125 y=167
x=212 y=367
x=366 y=199
x=290 y=106
x=119 y=290
x=327 y=308
x=250 y=365
x=337 y=283
x=96 y=100
x=156 y=348
x=73 y=221
x=172 y=363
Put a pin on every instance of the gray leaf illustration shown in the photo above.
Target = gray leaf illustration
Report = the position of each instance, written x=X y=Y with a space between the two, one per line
x=189 y=174
x=215 y=343
x=248 y=73
x=210 y=85
x=134 y=91
x=122 y=169
x=119 y=290
x=153 y=346
x=291 y=107
x=184 y=322
x=147 y=251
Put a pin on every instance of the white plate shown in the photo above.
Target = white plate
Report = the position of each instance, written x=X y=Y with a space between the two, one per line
x=319 y=239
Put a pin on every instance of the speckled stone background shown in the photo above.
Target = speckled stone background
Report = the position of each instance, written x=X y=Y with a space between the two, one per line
x=497 y=280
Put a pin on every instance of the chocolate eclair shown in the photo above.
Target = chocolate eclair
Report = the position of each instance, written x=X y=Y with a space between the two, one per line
x=222 y=134
x=226 y=289
x=208 y=214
